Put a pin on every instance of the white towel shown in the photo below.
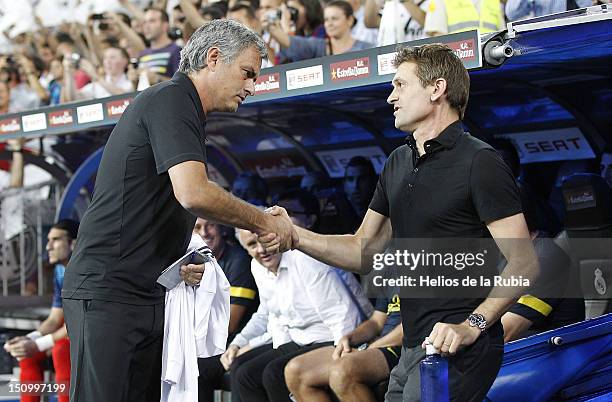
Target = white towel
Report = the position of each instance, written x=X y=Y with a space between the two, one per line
x=196 y=325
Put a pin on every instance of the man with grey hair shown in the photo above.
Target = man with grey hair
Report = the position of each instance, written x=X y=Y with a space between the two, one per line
x=150 y=186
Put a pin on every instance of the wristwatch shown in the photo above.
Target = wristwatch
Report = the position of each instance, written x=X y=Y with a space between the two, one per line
x=477 y=320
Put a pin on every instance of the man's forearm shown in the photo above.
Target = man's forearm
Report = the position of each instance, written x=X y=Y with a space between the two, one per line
x=191 y=13
x=216 y=204
x=61 y=333
x=49 y=326
x=342 y=251
x=501 y=299
x=393 y=338
x=363 y=333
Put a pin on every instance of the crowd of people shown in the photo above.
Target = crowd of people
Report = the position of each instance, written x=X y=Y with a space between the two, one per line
x=134 y=45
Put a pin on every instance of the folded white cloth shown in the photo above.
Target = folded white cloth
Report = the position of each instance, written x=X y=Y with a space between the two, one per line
x=196 y=325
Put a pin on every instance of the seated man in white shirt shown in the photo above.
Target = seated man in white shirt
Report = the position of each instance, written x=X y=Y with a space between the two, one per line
x=303 y=306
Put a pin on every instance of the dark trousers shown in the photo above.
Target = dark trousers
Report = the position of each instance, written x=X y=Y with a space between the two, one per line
x=115 y=351
x=471 y=372
x=211 y=377
x=260 y=373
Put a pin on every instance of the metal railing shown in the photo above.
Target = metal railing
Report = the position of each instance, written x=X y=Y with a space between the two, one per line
x=25 y=217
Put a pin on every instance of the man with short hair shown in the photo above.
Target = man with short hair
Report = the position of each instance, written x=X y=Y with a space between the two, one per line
x=359 y=183
x=161 y=59
x=442 y=183
x=31 y=350
x=150 y=187
x=245 y=14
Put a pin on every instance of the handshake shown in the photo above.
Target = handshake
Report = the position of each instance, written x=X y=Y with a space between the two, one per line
x=278 y=236
x=281 y=235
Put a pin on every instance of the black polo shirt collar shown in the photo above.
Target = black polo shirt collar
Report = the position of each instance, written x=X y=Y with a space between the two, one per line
x=446 y=139
x=185 y=82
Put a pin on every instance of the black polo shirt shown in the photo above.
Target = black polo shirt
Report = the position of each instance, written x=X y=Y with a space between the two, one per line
x=134 y=226
x=458 y=186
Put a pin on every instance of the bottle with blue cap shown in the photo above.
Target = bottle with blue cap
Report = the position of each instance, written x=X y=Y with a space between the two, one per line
x=434 y=376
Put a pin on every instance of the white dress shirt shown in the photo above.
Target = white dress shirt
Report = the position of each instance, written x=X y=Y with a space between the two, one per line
x=304 y=302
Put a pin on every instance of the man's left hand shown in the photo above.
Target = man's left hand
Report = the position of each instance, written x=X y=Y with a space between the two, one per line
x=450 y=338
x=192 y=274
x=24 y=348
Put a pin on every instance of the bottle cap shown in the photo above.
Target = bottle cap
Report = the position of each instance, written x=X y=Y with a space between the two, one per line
x=430 y=349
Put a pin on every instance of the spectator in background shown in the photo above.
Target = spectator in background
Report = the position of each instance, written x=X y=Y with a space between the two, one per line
x=359 y=184
x=212 y=12
x=522 y=9
x=309 y=20
x=67 y=48
x=267 y=12
x=47 y=55
x=161 y=59
x=22 y=96
x=114 y=81
x=129 y=39
x=314 y=182
x=31 y=350
x=450 y=16
x=245 y=14
x=251 y=188
x=403 y=21
x=336 y=213
x=360 y=31
x=29 y=73
x=339 y=21
x=5 y=98
x=55 y=86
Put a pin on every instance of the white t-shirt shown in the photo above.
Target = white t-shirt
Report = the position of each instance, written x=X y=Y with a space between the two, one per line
x=436 y=19
x=93 y=90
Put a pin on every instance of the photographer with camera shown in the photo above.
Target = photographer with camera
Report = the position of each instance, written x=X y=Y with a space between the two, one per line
x=113 y=82
x=307 y=15
x=338 y=21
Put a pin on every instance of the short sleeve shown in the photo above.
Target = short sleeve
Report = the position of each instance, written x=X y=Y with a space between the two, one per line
x=175 y=131
x=382 y=304
x=243 y=289
x=493 y=188
x=380 y=199
x=534 y=309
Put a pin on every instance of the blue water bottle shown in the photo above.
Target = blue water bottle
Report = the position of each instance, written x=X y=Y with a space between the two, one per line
x=434 y=376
